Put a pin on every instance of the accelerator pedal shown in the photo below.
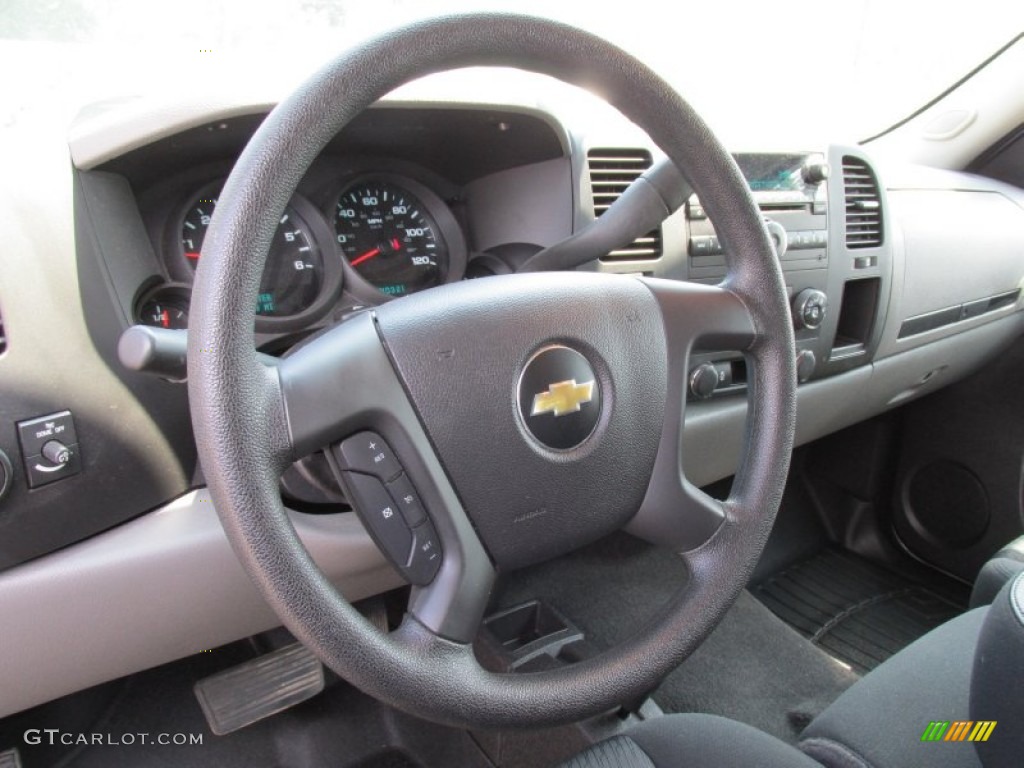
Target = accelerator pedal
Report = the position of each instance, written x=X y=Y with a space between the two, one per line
x=257 y=689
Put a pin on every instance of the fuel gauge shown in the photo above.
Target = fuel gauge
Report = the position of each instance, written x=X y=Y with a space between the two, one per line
x=165 y=307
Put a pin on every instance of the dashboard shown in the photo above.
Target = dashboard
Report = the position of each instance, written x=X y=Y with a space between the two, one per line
x=902 y=279
x=381 y=214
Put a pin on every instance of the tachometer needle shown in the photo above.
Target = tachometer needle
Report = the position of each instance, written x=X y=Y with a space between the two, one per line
x=192 y=255
x=365 y=257
x=165 y=319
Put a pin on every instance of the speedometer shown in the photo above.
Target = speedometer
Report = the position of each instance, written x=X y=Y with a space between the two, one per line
x=389 y=236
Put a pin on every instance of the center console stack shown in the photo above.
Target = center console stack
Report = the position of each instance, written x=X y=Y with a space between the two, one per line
x=825 y=213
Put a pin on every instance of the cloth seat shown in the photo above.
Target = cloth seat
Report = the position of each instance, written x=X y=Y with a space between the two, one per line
x=877 y=723
x=688 y=741
x=1000 y=568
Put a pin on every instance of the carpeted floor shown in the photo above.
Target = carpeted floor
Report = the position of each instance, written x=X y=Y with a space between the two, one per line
x=753 y=668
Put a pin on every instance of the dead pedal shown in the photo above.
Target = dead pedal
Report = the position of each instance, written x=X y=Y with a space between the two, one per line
x=257 y=689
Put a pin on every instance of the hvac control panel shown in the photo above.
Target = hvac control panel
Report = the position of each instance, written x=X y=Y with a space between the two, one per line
x=793 y=198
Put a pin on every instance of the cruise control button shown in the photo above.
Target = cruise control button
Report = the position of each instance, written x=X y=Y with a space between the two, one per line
x=407 y=500
x=381 y=516
x=368 y=453
x=426 y=555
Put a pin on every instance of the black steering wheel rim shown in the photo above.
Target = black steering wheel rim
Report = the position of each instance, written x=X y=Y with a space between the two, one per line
x=245 y=433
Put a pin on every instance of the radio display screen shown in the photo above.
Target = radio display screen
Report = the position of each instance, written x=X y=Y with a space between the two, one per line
x=772 y=172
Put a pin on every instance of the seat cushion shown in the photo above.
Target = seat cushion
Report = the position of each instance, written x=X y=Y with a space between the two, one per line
x=692 y=741
x=880 y=721
x=1001 y=567
x=996 y=694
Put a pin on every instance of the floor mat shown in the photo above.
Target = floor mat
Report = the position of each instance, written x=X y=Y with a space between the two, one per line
x=856 y=611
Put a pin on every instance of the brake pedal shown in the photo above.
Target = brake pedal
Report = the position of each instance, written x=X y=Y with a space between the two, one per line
x=257 y=689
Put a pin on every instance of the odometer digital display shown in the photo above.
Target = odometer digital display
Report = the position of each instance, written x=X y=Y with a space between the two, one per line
x=389 y=238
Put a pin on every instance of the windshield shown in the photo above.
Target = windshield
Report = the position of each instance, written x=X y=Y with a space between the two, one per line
x=760 y=73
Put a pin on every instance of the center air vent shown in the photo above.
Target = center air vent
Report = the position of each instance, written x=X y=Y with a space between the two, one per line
x=863 y=205
x=611 y=171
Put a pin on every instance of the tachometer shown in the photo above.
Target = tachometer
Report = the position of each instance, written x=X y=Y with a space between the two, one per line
x=389 y=236
x=292 y=278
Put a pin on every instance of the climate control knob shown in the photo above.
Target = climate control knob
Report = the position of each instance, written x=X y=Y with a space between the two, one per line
x=703 y=380
x=809 y=308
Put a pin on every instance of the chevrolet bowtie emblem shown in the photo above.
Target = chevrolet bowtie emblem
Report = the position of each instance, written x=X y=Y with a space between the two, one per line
x=562 y=398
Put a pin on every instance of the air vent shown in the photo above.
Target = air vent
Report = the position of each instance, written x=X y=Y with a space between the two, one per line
x=863 y=205
x=611 y=171
x=3 y=337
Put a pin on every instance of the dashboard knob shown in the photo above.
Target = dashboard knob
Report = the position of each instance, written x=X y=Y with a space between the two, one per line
x=779 y=237
x=703 y=380
x=805 y=364
x=815 y=173
x=55 y=452
x=5 y=474
x=809 y=308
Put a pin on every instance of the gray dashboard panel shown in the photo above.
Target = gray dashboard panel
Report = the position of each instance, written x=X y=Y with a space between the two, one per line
x=931 y=272
x=958 y=246
x=161 y=587
x=715 y=430
x=529 y=204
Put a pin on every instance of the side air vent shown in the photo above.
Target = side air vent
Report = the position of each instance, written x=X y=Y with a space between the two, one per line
x=863 y=205
x=3 y=337
x=611 y=171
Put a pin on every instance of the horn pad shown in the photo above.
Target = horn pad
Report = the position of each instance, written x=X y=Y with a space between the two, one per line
x=544 y=396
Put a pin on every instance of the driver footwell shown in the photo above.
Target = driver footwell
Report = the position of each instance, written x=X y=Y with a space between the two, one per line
x=753 y=668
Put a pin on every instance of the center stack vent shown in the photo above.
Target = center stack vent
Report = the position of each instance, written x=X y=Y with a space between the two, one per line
x=611 y=171
x=863 y=205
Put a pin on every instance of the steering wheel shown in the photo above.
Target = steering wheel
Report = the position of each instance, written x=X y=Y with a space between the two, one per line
x=472 y=388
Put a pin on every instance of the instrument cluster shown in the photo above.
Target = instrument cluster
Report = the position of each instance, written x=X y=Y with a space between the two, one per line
x=374 y=235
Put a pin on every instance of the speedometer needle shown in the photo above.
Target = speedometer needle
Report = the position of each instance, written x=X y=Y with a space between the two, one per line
x=365 y=257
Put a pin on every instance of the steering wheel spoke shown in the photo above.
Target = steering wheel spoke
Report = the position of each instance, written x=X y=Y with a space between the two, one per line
x=340 y=392
x=675 y=513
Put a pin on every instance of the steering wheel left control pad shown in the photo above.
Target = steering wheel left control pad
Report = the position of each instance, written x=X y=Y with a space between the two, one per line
x=388 y=505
